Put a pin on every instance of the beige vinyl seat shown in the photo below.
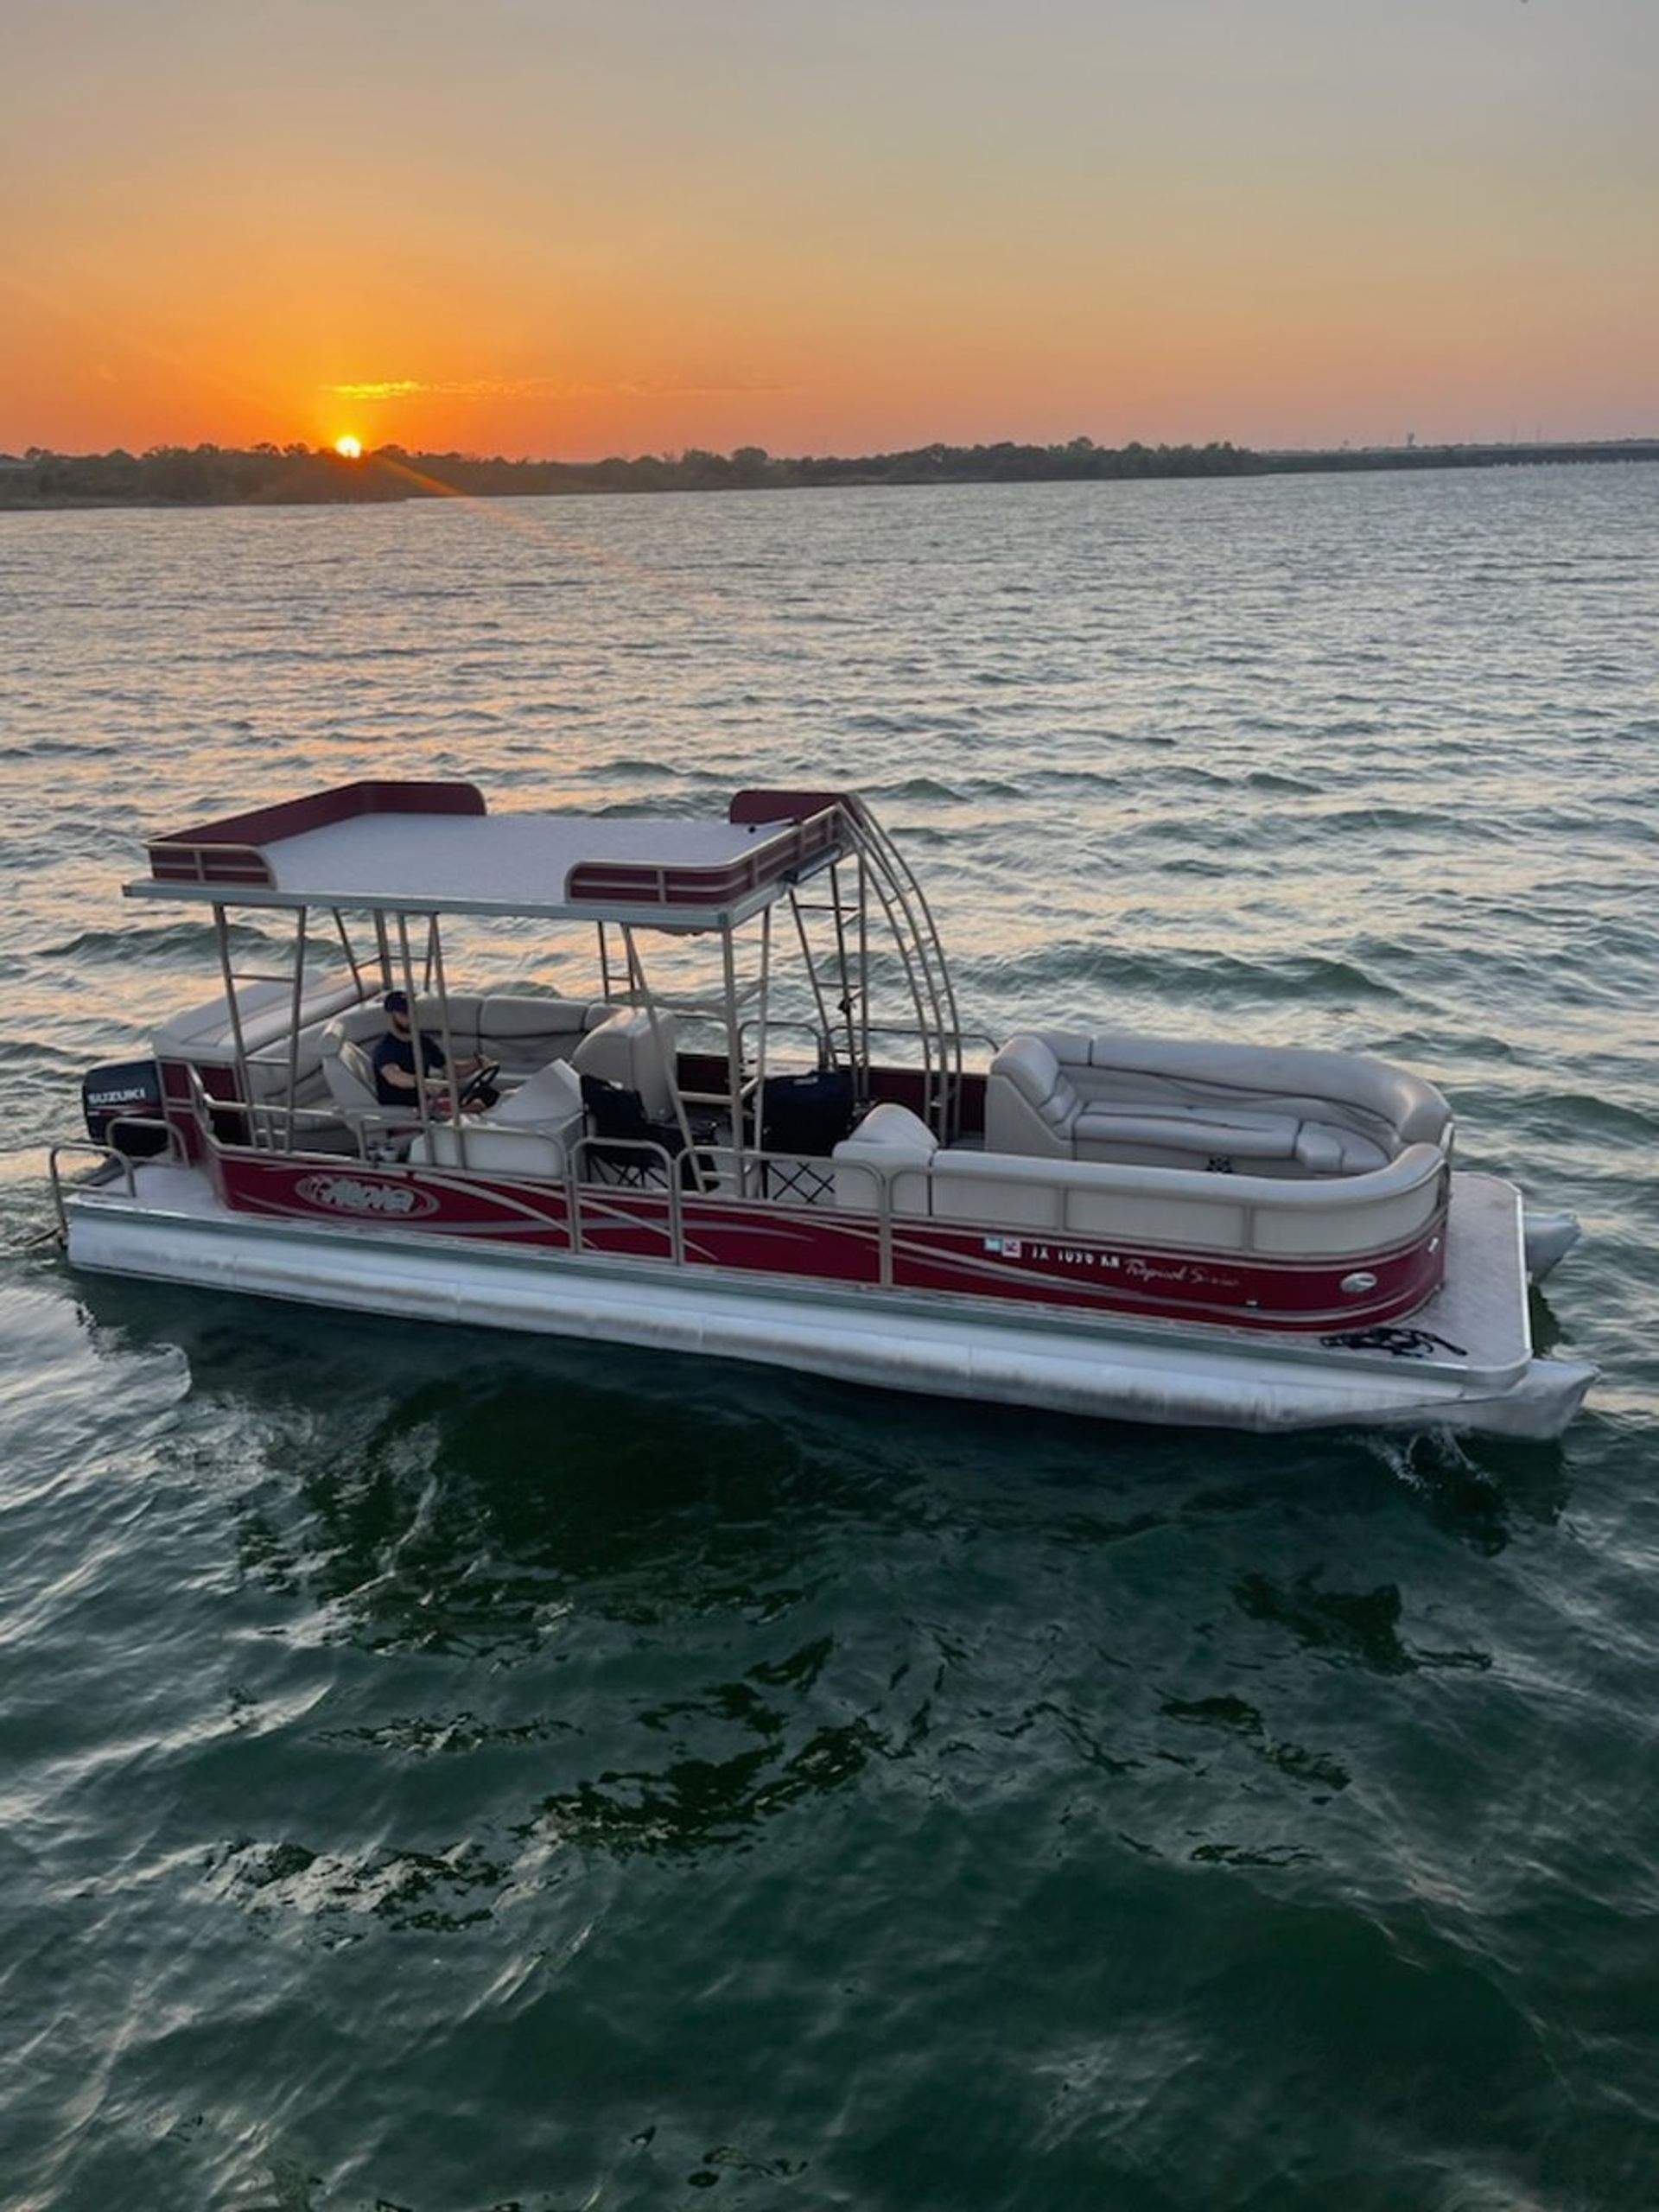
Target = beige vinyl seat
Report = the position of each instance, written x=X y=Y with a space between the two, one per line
x=627 y=1071
x=1161 y=1102
x=348 y=1071
x=890 y=1149
x=635 y=1051
x=891 y=1164
x=520 y=1031
x=349 y=1075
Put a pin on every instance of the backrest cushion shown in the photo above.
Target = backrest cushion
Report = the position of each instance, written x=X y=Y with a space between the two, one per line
x=891 y=1130
x=892 y=1147
x=1035 y=1073
x=632 y=1049
x=345 y=1069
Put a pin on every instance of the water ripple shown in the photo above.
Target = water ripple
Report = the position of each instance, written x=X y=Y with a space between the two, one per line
x=442 y=1772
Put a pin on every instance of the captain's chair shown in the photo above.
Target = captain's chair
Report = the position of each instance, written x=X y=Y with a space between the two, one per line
x=626 y=1067
x=349 y=1074
x=635 y=1051
x=348 y=1071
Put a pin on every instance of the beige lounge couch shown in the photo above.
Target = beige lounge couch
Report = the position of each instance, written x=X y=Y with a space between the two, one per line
x=521 y=1030
x=1161 y=1102
x=893 y=1163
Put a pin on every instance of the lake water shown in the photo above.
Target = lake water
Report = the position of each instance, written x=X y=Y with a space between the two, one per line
x=447 y=1772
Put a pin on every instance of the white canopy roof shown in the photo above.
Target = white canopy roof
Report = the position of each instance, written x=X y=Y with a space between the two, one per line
x=669 y=873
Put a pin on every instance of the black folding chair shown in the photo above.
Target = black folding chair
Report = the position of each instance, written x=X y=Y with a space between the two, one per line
x=625 y=1145
x=803 y=1114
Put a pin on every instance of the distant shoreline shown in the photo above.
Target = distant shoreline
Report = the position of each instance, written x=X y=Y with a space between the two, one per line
x=213 y=476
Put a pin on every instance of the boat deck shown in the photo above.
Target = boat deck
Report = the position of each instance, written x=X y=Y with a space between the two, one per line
x=1478 y=1319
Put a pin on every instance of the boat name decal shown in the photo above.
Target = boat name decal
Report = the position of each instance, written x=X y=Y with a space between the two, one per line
x=353 y=1194
x=1131 y=1266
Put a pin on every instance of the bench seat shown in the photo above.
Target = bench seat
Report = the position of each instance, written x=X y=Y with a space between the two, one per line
x=522 y=1030
x=894 y=1159
x=1163 y=1102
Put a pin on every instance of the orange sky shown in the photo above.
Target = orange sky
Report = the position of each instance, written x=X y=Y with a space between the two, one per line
x=573 y=227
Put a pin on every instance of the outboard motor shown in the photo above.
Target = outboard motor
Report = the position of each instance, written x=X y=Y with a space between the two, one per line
x=113 y=1094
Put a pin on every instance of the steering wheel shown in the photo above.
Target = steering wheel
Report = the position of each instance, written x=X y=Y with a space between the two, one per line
x=478 y=1082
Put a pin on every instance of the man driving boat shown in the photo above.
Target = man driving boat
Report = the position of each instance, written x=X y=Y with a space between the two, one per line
x=393 y=1062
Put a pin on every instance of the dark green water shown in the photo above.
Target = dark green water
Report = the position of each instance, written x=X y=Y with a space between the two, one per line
x=447 y=1772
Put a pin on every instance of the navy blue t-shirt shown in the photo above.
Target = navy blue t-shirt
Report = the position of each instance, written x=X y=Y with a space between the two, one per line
x=395 y=1052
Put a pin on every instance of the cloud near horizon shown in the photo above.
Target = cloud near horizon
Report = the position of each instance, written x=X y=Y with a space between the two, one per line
x=393 y=388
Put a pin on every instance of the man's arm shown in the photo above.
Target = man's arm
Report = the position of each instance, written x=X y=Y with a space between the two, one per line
x=466 y=1062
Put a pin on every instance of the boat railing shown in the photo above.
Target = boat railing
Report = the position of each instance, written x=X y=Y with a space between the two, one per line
x=177 y=861
x=1402 y=1198
x=273 y=1128
x=110 y=1157
x=648 y=1169
x=719 y=1174
x=1011 y=1198
x=908 y=1032
x=154 y=1131
x=373 y=1135
x=160 y=1142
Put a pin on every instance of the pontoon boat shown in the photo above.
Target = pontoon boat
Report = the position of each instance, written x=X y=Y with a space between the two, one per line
x=755 y=1128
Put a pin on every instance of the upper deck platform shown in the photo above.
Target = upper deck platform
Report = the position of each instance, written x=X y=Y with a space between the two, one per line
x=434 y=848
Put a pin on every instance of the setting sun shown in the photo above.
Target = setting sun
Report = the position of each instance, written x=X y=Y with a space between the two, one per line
x=349 y=449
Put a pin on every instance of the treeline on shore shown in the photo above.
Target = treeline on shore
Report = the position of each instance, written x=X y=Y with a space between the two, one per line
x=211 y=475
